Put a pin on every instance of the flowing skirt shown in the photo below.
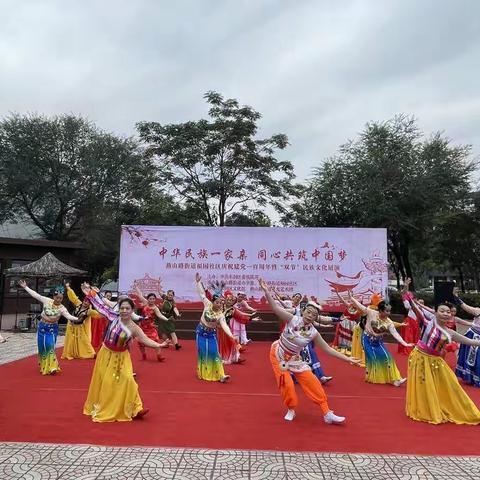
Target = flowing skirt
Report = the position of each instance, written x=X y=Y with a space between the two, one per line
x=209 y=364
x=227 y=348
x=150 y=330
x=77 y=341
x=468 y=364
x=357 y=349
x=46 y=340
x=434 y=394
x=380 y=365
x=98 y=326
x=410 y=333
x=166 y=327
x=113 y=393
x=345 y=334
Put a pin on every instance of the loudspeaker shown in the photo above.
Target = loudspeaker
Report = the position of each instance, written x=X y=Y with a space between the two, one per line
x=443 y=292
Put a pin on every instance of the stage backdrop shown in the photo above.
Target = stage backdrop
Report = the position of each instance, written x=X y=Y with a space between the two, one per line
x=314 y=261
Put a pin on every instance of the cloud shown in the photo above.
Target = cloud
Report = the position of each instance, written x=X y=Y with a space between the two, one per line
x=317 y=71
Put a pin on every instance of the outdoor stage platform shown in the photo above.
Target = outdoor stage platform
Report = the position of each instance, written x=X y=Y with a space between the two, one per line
x=246 y=413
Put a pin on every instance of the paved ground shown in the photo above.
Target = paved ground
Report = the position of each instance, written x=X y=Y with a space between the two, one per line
x=32 y=461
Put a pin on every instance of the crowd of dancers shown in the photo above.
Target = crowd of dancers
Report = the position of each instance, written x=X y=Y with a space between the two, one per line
x=102 y=329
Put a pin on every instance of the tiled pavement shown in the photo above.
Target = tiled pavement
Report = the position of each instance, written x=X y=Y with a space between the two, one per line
x=74 y=462
x=20 y=345
x=32 y=461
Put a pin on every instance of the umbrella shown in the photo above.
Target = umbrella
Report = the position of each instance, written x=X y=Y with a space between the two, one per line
x=48 y=266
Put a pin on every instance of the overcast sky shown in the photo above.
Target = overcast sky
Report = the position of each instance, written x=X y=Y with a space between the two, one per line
x=316 y=70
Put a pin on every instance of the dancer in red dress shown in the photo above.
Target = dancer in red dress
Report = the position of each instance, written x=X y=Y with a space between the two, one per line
x=149 y=312
x=411 y=331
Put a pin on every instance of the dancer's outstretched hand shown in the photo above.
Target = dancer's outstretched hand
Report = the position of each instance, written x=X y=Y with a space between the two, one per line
x=22 y=283
x=354 y=361
x=198 y=277
x=262 y=284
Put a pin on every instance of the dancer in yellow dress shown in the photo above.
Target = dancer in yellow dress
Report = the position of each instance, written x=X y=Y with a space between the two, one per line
x=433 y=392
x=113 y=393
x=78 y=335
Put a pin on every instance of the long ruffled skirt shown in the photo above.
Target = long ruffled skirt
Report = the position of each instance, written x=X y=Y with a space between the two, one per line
x=209 y=364
x=410 y=333
x=77 y=341
x=380 y=365
x=434 y=394
x=99 y=325
x=113 y=393
x=468 y=363
x=46 y=339
x=357 y=349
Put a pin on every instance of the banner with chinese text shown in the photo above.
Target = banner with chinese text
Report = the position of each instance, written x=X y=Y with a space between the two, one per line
x=317 y=262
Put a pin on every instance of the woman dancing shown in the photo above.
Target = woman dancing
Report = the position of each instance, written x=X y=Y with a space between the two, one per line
x=147 y=323
x=380 y=365
x=113 y=393
x=433 y=392
x=170 y=311
x=209 y=363
x=285 y=358
x=411 y=331
x=48 y=327
x=77 y=337
x=468 y=363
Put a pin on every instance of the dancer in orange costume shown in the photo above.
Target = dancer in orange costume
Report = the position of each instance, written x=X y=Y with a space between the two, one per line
x=285 y=358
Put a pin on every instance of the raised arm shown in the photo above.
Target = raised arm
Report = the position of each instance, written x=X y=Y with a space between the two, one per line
x=457 y=337
x=461 y=321
x=201 y=289
x=406 y=285
x=475 y=311
x=277 y=310
x=100 y=307
x=140 y=295
x=398 y=337
x=359 y=306
x=72 y=296
x=33 y=293
x=342 y=299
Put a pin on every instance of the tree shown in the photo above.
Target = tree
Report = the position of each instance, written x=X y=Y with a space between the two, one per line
x=389 y=177
x=62 y=172
x=104 y=235
x=456 y=243
x=218 y=165
x=248 y=218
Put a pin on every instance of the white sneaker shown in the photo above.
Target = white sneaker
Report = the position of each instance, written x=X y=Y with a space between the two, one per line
x=325 y=379
x=331 y=418
x=290 y=415
x=225 y=379
x=399 y=383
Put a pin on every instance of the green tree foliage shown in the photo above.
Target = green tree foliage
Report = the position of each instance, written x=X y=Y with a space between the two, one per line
x=218 y=165
x=248 y=218
x=63 y=172
x=393 y=177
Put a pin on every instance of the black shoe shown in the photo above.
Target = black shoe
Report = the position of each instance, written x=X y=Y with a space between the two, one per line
x=177 y=346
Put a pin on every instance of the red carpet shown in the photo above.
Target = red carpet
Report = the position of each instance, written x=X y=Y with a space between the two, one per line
x=244 y=414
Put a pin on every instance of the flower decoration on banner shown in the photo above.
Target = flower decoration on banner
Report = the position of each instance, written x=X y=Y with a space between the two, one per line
x=375 y=264
x=147 y=285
